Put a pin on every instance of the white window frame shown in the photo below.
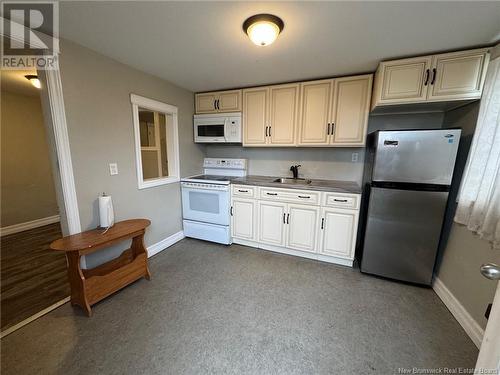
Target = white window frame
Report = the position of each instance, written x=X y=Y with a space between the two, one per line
x=172 y=140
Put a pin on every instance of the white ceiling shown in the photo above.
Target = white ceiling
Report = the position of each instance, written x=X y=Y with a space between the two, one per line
x=201 y=45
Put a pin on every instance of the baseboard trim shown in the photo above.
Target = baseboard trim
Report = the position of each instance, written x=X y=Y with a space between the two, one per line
x=470 y=326
x=39 y=314
x=21 y=227
x=163 y=244
x=303 y=254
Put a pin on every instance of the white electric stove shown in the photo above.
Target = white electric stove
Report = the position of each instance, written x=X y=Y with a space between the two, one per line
x=206 y=200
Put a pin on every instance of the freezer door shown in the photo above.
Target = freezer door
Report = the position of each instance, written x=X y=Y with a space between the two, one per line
x=402 y=233
x=421 y=156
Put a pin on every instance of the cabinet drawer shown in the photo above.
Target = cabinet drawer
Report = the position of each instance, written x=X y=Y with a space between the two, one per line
x=341 y=200
x=244 y=191
x=290 y=195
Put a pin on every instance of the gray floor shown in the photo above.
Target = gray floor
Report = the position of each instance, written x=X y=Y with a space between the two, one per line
x=218 y=309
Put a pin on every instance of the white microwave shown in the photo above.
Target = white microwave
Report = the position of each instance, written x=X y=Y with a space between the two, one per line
x=218 y=128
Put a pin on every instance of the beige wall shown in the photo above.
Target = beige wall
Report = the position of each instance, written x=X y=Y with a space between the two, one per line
x=99 y=115
x=459 y=271
x=462 y=252
x=27 y=187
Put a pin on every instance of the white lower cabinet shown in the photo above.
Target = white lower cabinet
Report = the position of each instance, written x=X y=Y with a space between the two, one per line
x=302 y=223
x=326 y=232
x=243 y=219
x=272 y=216
x=338 y=227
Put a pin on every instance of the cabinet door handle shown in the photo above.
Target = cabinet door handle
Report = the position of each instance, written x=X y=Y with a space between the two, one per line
x=333 y=128
x=284 y=215
x=322 y=223
x=272 y=193
x=243 y=191
x=269 y=130
x=434 y=74
x=304 y=196
x=340 y=200
x=288 y=218
x=231 y=211
x=218 y=103
x=215 y=103
x=426 y=81
x=266 y=130
x=328 y=131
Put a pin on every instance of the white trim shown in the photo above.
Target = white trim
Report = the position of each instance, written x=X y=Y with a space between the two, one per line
x=21 y=227
x=173 y=146
x=58 y=115
x=163 y=244
x=152 y=104
x=470 y=326
x=39 y=314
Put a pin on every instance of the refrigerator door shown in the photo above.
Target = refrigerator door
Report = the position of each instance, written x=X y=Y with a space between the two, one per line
x=402 y=233
x=420 y=156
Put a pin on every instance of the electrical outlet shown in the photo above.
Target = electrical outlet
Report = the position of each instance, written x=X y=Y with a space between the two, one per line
x=113 y=169
x=354 y=157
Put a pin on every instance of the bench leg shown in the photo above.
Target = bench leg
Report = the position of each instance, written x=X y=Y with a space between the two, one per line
x=77 y=282
x=138 y=248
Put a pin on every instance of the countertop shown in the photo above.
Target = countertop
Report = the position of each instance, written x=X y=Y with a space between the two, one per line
x=318 y=185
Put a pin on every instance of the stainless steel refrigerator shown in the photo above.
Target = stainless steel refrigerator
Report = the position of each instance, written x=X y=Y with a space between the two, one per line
x=407 y=179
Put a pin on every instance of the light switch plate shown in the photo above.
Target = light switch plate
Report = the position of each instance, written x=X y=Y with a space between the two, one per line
x=113 y=169
x=354 y=158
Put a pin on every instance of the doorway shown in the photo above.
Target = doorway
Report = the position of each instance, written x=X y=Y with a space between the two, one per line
x=33 y=278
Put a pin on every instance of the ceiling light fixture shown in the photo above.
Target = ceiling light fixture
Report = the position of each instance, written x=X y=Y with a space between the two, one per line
x=34 y=80
x=263 y=29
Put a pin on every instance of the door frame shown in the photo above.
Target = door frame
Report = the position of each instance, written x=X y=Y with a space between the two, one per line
x=63 y=152
x=489 y=353
x=52 y=79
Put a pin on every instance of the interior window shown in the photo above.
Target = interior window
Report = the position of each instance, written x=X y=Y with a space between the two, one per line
x=156 y=140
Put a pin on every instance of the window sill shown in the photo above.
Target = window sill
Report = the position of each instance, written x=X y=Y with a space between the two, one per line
x=158 y=182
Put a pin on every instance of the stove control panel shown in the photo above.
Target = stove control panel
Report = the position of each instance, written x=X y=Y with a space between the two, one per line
x=200 y=185
x=225 y=163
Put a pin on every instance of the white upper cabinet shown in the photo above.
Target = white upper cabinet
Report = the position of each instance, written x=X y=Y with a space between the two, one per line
x=206 y=103
x=270 y=115
x=335 y=112
x=255 y=114
x=283 y=114
x=435 y=78
x=351 y=106
x=458 y=75
x=403 y=81
x=315 y=107
x=218 y=102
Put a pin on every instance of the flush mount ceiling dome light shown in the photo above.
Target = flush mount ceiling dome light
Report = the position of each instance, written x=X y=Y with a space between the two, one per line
x=34 y=80
x=263 y=29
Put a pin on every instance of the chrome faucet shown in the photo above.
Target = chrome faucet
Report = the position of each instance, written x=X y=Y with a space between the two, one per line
x=295 y=171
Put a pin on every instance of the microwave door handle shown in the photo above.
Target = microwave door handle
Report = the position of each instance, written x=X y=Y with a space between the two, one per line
x=226 y=129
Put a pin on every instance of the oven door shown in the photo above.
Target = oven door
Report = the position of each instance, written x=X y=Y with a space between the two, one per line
x=206 y=205
x=210 y=130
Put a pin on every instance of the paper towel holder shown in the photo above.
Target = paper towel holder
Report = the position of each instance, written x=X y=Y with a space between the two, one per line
x=106 y=212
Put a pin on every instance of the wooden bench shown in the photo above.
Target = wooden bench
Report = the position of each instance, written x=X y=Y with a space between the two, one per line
x=89 y=286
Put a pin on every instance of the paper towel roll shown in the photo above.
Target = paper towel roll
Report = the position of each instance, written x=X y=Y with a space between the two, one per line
x=106 y=213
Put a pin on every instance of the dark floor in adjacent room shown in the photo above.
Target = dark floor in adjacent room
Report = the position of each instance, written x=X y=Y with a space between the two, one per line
x=32 y=277
x=216 y=309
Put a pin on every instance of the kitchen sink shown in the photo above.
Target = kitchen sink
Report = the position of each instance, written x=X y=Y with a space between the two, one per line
x=293 y=181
